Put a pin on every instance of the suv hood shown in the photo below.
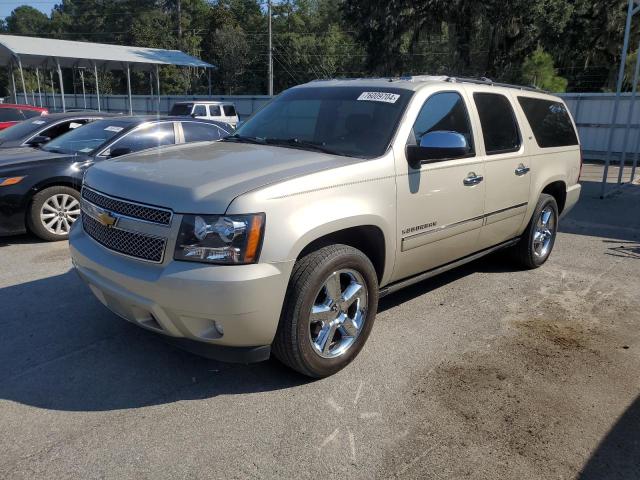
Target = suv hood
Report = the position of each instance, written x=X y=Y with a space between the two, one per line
x=204 y=177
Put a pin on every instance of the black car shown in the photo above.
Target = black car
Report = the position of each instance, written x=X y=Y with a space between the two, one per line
x=40 y=187
x=39 y=130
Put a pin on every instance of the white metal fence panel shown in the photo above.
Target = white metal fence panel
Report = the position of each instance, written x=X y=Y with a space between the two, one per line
x=592 y=114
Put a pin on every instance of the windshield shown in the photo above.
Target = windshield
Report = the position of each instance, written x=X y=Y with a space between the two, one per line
x=22 y=129
x=181 y=109
x=86 y=138
x=349 y=121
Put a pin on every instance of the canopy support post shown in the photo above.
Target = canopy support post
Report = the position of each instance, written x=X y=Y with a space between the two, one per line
x=13 y=81
x=64 y=105
x=158 y=86
x=129 y=90
x=84 y=93
x=53 y=89
x=95 y=75
x=39 y=89
x=24 y=85
x=209 y=78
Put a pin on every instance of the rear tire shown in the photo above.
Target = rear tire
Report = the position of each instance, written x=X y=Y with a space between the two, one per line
x=536 y=243
x=329 y=310
x=53 y=211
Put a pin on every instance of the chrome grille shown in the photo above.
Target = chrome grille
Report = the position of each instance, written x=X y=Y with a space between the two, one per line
x=133 y=244
x=129 y=209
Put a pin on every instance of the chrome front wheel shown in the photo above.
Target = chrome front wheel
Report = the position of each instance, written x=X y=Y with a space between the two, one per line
x=338 y=313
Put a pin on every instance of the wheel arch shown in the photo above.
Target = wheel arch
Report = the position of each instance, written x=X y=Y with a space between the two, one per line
x=368 y=238
x=558 y=190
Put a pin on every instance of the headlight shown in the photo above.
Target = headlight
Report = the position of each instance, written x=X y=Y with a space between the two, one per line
x=225 y=239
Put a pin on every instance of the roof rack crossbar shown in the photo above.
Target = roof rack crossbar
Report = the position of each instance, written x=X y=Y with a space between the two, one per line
x=488 y=81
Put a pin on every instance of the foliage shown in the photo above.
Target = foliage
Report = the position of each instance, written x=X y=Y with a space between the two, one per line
x=544 y=41
x=538 y=70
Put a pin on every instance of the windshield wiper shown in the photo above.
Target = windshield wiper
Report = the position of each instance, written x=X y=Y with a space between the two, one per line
x=241 y=138
x=304 y=144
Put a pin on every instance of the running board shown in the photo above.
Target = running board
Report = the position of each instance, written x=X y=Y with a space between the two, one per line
x=394 y=287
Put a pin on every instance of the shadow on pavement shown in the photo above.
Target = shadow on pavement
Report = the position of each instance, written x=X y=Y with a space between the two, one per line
x=61 y=349
x=614 y=217
x=618 y=455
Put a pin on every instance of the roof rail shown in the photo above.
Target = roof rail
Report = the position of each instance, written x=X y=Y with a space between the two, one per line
x=488 y=81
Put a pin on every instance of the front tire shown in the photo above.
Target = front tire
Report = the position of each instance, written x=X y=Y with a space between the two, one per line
x=536 y=243
x=53 y=211
x=329 y=310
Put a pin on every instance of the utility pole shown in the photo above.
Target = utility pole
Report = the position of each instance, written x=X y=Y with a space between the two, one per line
x=270 y=51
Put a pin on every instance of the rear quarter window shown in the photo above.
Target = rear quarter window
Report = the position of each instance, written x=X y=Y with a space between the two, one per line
x=549 y=121
x=229 y=110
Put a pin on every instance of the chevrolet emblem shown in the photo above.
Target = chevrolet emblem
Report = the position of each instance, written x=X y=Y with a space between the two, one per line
x=106 y=219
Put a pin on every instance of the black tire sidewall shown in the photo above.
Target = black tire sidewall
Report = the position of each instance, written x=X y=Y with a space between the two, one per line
x=351 y=259
x=33 y=218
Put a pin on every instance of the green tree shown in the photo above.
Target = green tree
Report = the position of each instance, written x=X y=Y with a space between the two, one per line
x=538 y=70
x=27 y=20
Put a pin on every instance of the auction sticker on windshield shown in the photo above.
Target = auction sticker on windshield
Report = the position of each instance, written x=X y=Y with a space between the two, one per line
x=379 y=97
x=114 y=129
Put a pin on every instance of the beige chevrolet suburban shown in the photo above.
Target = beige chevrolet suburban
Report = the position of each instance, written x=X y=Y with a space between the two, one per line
x=283 y=236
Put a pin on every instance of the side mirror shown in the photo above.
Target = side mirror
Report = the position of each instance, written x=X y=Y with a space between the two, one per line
x=193 y=115
x=118 y=152
x=437 y=146
x=38 y=140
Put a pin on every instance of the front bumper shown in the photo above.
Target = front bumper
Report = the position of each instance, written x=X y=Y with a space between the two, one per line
x=229 y=306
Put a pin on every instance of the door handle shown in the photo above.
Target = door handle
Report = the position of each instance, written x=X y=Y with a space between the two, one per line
x=521 y=170
x=472 y=179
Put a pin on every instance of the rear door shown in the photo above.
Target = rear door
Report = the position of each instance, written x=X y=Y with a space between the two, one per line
x=507 y=165
x=215 y=112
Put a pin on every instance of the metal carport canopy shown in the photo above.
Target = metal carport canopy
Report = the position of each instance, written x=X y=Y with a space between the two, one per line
x=39 y=52
x=34 y=52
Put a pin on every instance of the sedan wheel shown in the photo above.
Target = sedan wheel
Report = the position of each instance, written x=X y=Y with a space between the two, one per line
x=59 y=212
x=53 y=211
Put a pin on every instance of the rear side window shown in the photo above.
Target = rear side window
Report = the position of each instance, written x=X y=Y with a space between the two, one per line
x=443 y=111
x=10 y=115
x=549 y=121
x=214 y=111
x=149 y=137
x=229 y=110
x=499 y=127
x=200 y=132
x=200 y=111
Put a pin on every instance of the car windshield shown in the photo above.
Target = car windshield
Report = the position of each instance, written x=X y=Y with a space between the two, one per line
x=86 y=138
x=22 y=129
x=181 y=109
x=349 y=121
